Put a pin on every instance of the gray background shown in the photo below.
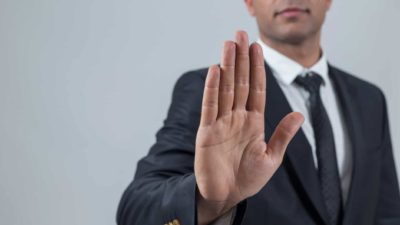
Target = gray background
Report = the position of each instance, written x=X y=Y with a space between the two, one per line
x=85 y=84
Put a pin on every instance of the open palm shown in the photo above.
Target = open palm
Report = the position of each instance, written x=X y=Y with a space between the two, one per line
x=232 y=160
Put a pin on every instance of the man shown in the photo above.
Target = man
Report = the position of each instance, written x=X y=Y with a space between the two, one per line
x=229 y=154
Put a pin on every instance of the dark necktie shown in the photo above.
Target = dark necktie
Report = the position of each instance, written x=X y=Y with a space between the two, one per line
x=325 y=147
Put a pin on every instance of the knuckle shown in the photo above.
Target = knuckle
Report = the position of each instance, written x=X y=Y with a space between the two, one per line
x=210 y=104
x=227 y=67
x=243 y=56
x=241 y=81
x=258 y=89
x=228 y=88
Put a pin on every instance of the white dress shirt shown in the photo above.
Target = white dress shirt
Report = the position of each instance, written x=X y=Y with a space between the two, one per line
x=285 y=70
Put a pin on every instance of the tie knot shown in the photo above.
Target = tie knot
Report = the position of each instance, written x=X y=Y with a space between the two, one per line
x=311 y=82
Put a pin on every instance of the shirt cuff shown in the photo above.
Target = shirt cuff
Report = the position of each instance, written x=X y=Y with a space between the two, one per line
x=226 y=219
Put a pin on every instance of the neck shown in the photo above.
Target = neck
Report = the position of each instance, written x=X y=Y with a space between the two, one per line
x=306 y=53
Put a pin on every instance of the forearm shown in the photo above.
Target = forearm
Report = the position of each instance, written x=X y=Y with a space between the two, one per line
x=152 y=200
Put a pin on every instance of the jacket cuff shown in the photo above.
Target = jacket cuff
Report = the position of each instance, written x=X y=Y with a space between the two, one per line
x=178 y=203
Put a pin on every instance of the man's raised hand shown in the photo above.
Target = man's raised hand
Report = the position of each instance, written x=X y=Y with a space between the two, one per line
x=232 y=160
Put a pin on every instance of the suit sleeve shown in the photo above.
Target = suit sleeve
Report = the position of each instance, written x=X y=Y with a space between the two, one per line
x=164 y=186
x=388 y=211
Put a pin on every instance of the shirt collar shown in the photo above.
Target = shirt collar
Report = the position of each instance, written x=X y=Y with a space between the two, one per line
x=286 y=70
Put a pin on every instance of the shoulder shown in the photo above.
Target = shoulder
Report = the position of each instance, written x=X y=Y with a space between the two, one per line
x=353 y=80
x=190 y=84
x=188 y=91
x=192 y=77
x=359 y=87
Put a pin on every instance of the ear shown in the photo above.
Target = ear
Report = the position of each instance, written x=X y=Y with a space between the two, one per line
x=250 y=7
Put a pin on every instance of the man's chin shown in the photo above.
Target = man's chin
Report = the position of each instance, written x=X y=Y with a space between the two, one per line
x=293 y=38
x=294 y=33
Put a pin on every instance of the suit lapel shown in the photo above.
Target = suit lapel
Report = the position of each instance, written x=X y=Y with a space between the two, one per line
x=346 y=95
x=299 y=150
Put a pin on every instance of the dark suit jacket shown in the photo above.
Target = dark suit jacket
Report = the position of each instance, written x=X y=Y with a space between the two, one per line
x=164 y=187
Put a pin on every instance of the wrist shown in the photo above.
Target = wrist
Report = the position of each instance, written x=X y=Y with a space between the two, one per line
x=208 y=211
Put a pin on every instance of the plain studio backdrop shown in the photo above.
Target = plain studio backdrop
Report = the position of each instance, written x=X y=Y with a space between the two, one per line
x=85 y=85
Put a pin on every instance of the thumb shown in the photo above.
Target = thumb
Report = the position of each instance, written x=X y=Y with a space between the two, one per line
x=283 y=134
